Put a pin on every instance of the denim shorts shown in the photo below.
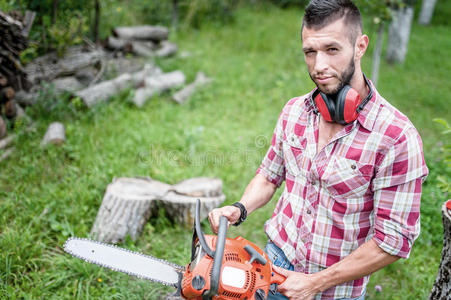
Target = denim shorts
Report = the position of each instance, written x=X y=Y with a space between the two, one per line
x=279 y=259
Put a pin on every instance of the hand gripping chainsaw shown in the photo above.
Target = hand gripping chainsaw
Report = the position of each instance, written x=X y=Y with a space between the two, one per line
x=236 y=269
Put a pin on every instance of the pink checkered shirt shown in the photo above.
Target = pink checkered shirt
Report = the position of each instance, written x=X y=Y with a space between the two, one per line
x=364 y=184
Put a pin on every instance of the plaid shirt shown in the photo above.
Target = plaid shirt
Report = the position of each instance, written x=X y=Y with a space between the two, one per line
x=364 y=184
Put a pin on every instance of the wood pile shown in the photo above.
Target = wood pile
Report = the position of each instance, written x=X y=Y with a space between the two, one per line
x=128 y=203
x=13 y=40
x=144 y=40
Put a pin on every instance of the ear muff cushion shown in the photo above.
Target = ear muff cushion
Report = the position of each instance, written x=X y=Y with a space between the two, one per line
x=325 y=107
x=351 y=103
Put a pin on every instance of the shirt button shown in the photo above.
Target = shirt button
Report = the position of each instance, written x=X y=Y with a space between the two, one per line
x=353 y=167
x=292 y=138
x=313 y=182
x=309 y=211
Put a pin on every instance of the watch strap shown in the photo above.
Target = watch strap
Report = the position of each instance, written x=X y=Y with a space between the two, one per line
x=243 y=213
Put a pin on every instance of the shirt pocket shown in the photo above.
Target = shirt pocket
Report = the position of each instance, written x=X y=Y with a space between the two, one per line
x=293 y=153
x=348 y=179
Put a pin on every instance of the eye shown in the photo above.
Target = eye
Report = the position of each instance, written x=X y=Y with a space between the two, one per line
x=332 y=50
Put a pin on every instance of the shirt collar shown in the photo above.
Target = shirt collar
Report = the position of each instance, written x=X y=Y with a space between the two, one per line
x=368 y=114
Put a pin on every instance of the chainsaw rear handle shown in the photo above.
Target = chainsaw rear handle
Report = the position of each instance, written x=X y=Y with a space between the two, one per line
x=217 y=255
x=277 y=278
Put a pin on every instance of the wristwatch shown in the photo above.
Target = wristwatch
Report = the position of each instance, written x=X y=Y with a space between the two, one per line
x=243 y=214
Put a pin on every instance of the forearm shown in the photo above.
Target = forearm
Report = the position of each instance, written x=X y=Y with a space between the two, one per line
x=258 y=192
x=366 y=259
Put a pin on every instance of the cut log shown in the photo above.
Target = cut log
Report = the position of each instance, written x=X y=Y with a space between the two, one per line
x=126 y=207
x=26 y=99
x=143 y=48
x=157 y=84
x=6 y=94
x=86 y=75
x=165 y=81
x=10 y=109
x=28 y=22
x=146 y=32
x=66 y=84
x=167 y=49
x=7 y=140
x=2 y=129
x=49 y=67
x=55 y=134
x=114 y=43
x=3 y=80
x=104 y=90
x=183 y=95
x=7 y=153
x=442 y=286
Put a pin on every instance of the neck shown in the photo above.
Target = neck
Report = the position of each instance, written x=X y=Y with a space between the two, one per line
x=359 y=84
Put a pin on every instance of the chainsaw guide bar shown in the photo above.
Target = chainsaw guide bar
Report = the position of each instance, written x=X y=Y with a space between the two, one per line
x=126 y=261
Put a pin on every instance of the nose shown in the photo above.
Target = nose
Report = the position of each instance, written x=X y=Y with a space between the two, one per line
x=321 y=62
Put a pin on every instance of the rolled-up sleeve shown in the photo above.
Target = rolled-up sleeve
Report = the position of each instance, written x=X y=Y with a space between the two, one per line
x=272 y=166
x=397 y=194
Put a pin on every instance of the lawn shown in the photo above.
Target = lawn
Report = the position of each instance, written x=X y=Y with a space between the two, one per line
x=49 y=194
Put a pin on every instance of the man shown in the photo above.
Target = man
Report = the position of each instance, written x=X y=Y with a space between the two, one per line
x=353 y=166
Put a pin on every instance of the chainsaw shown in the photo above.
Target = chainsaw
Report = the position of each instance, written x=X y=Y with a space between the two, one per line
x=235 y=269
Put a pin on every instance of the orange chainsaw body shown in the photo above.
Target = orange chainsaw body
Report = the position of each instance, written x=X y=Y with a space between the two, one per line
x=242 y=277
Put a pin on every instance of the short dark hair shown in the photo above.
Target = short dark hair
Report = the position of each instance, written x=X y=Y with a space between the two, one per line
x=320 y=13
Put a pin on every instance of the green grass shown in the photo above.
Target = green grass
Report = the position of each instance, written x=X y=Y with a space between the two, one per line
x=47 y=195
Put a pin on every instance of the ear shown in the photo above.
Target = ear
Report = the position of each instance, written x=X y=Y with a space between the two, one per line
x=361 y=44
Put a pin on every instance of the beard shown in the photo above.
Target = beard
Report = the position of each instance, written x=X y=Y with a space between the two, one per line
x=343 y=79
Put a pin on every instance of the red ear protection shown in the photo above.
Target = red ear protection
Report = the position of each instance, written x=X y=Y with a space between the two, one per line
x=344 y=108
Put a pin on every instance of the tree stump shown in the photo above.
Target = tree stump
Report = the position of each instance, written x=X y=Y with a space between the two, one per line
x=180 y=201
x=126 y=207
x=442 y=285
x=129 y=202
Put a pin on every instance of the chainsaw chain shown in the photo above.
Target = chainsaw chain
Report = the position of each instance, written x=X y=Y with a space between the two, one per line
x=178 y=268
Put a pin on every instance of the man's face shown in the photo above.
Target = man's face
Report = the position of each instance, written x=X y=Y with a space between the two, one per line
x=329 y=56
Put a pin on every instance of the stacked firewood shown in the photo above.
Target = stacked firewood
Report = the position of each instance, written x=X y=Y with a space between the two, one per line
x=143 y=40
x=13 y=40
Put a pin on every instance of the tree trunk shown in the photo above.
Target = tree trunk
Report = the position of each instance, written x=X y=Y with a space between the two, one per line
x=427 y=10
x=442 y=286
x=399 y=34
x=97 y=22
x=377 y=54
x=175 y=15
x=126 y=207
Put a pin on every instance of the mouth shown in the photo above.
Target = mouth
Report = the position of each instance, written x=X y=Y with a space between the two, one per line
x=323 y=79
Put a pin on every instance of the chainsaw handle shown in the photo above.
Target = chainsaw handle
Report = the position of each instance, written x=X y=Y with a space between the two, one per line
x=277 y=278
x=219 y=253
